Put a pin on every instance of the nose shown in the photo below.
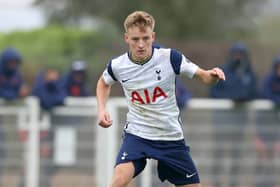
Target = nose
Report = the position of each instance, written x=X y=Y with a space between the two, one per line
x=141 y=44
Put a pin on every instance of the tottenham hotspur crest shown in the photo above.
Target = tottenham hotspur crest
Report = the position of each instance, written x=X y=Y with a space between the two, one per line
x=124 y=155
x=158 y=71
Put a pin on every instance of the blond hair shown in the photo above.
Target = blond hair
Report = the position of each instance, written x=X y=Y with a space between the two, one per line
x=139 y=19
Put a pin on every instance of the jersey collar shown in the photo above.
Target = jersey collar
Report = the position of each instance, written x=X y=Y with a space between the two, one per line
x=140 y=63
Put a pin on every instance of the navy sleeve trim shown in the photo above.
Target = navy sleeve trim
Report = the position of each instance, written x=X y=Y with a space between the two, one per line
x=110 y=70
x=176 y=61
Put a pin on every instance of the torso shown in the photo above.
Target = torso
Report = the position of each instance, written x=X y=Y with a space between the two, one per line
x=150 y=93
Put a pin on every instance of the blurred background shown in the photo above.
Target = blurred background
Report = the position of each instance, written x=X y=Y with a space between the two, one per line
x=234 y=136
x=51 y=32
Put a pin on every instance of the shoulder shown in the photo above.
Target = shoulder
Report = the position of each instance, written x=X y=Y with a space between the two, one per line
x=173 y=54
x=116 y=62
x=162 y=52
x=119 y=60
x=175 y=58
x=114 y=65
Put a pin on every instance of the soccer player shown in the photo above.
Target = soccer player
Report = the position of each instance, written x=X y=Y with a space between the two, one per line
x=153 y=127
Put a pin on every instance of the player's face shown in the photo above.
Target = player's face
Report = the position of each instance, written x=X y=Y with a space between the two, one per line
x=140 y=42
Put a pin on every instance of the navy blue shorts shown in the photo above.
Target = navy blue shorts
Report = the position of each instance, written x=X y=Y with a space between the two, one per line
x=174 y=161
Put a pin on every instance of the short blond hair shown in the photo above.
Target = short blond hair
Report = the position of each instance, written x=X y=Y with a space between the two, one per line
x=139 y=19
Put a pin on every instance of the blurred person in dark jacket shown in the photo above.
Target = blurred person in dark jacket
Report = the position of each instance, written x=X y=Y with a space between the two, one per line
x=48 y=89
x=75 y=81
x=229 y=126
x=241 y=84
x=271 y=86
x=267 y=137
x=11 y=83
x=75 y=84
x=11 y=88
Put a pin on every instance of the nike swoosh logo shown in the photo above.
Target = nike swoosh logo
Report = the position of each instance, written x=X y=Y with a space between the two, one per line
x=189 y=176
x=125 y=80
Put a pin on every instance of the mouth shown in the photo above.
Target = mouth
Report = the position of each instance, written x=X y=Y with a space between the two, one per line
x=141 y=51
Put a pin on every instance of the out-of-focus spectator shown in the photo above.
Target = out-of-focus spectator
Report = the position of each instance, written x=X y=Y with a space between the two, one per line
x=74 y=82
x=240 y=86
x=48 y=89
x=11 y=83
x=271 y=86
x=241 y=83
x=11 y=88
x=267 y=138
x=182 y=94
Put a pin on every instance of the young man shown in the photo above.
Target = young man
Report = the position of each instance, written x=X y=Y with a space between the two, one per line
x=153 y=129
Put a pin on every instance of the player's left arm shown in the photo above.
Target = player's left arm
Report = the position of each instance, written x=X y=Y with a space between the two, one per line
x=211 y=76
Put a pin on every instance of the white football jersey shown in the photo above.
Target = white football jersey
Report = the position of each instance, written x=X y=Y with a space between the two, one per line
x=150 y=92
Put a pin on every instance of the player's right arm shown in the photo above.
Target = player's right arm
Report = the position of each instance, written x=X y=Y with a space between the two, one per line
x=102 y=94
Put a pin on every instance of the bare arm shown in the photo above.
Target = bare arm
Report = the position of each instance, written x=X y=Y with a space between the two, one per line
x=102 y=94
x=210 y=77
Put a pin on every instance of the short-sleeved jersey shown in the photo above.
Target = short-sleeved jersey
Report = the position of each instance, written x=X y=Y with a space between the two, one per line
x=150 y=92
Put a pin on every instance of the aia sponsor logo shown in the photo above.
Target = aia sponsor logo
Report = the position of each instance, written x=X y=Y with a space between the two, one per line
x=148 y=97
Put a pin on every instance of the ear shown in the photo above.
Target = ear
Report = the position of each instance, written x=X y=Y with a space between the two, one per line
x=125 y=37
x=154 y=36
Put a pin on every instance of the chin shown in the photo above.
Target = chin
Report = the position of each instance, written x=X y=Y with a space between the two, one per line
x=141 y=58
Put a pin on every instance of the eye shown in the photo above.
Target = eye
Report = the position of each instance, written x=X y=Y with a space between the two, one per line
x=135 y=39
x=146 y=38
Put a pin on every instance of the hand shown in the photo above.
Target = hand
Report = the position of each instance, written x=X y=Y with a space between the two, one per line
x=218 y=74
x=104 y=119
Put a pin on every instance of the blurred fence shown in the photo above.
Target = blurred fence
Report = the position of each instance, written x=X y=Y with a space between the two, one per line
x=233 y=144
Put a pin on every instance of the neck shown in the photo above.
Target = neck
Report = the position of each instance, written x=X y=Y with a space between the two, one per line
x=140 y=61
